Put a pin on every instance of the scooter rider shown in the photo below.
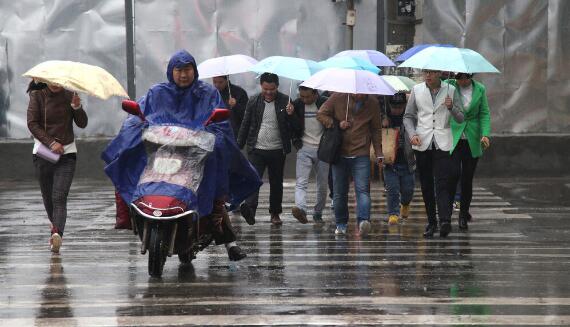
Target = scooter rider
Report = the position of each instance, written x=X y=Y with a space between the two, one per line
x=186 y=101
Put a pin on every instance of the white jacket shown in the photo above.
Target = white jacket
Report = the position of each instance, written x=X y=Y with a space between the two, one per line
x=429 y=120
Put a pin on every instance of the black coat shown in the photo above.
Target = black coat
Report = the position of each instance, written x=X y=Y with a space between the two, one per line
x=251 y=122
x=237 y=112
x=298 y=121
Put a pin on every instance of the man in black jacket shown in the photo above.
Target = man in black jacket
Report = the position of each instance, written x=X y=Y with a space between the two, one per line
x=266 y=131
x=235 y=99
x=307 y=132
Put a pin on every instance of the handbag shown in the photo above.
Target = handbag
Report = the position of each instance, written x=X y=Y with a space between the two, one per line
x=45 y=153
x=330 y=144
x=390 y=144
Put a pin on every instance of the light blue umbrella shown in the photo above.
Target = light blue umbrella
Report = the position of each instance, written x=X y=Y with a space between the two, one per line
x=461 y=60
x=350 y=63
x=377 y=58
x=289 y=67
x=417 y=48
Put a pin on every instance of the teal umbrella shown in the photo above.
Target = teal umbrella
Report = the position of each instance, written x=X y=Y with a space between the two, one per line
x=350 y=63
x=289 y=67
x=459 y=60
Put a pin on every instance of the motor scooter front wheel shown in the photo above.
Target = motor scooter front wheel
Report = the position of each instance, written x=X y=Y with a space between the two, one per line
x=157 y=250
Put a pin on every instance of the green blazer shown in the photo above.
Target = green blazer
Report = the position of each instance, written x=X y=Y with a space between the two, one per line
x=477 y=121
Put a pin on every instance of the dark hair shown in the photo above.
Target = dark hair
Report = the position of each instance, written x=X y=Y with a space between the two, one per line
x=33 y=86
x=304 y=88
x=463 y=75
x=223 y=76
x=398 y=98
x=269 y=78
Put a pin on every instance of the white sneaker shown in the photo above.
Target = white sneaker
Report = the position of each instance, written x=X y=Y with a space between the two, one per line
x=364 y=227
x=340 y=231
x=55 y=242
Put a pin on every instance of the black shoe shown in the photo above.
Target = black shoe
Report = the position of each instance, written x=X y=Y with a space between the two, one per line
x=445 y=229
x=467 y=215
x=430 y=230
x=463 y=222
x=235 y=253
x=247 y=213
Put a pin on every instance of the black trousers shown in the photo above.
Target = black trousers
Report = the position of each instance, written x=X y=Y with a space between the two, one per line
x=274 y=161
x=463 y=159
x=55 y=182
x=436 y=166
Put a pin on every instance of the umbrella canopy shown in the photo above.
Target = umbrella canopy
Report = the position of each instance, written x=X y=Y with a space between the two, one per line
x=226 y=65
x=377 y=58
x=78 y=77
x=400 y=83
x=460 y=60
x=417 y=48
x=350 y=63
x=289 y=67
x=349 y=81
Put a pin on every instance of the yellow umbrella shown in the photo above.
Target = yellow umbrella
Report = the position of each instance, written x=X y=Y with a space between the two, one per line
x=78 y=77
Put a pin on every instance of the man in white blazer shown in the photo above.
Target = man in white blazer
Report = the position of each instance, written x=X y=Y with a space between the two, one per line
x=427 y=122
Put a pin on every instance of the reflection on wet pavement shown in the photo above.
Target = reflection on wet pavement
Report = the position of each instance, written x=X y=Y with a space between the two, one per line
x=510 y=268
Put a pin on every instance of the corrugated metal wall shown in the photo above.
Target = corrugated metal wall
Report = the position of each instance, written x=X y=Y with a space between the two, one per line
x=527 y=40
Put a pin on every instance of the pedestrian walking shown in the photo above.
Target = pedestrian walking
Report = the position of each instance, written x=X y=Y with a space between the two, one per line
x=470 y=137
x=360 y=123
x=399 y=176
x=52 y=111
x=426 y=121
x=307 y=132
x=266 y=129
x=234 y=97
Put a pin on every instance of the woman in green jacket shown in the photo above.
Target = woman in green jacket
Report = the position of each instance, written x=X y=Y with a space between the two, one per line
x=470 y=137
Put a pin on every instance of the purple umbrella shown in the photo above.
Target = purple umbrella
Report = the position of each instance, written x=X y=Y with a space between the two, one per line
x=417 y=48
x=377 y=58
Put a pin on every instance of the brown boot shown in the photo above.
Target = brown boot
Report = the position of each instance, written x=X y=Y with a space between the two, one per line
x=275 y=220
x=299 y=214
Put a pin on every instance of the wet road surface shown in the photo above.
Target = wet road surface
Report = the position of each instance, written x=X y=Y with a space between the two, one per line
x=511 y=267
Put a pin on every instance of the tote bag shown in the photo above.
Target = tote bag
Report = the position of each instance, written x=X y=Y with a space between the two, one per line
x=330 y=144
x=390 y=144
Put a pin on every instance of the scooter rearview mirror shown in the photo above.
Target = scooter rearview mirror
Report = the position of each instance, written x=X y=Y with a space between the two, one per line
x=133 y=108
x=217 y=115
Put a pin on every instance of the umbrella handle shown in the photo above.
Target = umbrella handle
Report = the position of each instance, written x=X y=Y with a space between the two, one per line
x=229 y=86
x=347 y=102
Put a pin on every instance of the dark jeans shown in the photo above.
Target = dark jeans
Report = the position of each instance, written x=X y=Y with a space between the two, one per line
x=274 y=161
x=437 y=166
x=462 y=158
x=55 y=182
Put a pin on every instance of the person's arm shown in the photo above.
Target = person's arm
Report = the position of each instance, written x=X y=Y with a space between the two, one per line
x=79 y=114
x=239 y=109
x=456 y=108
x=411 y=116
x=295 y=119
x=326 y=113
x=485 y=114
x=35 y=120
x=246 y=122
x=375 y=131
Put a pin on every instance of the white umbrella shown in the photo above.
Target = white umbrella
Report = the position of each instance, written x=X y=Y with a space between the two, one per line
x=226 y=65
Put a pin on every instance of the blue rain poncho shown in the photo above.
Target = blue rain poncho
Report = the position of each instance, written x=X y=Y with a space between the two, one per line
x=227 y=173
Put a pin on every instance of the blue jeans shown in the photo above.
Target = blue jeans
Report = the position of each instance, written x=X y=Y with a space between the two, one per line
x=399 y=186
x=359 y=168
x=307 y=161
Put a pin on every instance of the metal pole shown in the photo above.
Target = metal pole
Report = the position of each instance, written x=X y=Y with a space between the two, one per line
x=130 y=29
x=350 y=22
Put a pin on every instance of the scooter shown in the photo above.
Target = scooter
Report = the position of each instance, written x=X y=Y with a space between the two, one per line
x=164 y=224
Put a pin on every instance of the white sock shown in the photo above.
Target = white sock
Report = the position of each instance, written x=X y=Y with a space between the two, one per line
x=229 y=245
